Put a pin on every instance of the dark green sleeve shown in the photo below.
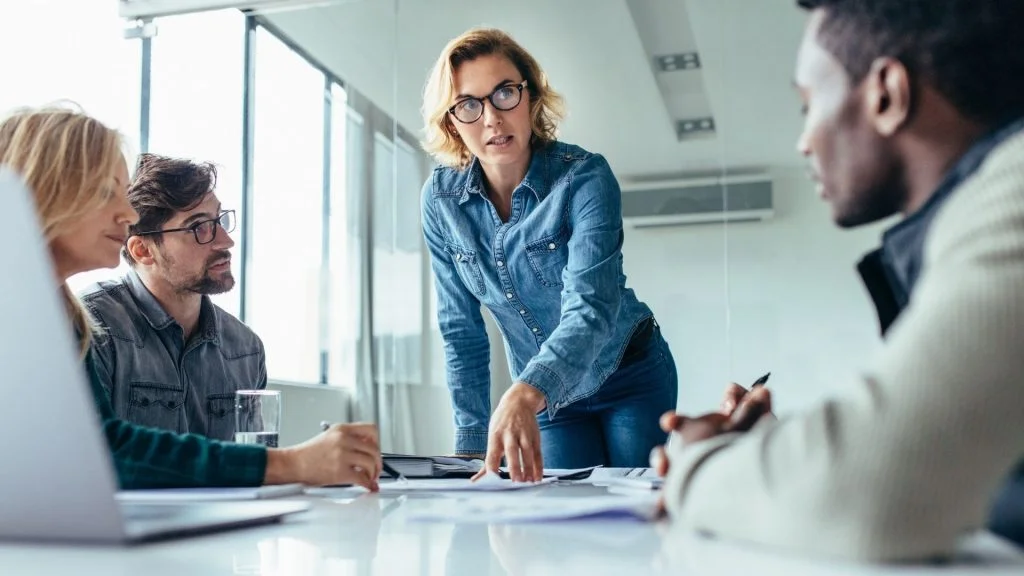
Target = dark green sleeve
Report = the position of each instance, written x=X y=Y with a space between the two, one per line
x=151 y=458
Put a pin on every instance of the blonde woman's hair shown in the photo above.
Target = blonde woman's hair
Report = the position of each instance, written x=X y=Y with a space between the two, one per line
x=68 y=160
x=441 y=141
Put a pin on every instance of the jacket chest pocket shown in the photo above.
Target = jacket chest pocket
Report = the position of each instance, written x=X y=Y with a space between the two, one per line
x=220 y=416
x=548 y=257
x=468 y=267
x=155 y=406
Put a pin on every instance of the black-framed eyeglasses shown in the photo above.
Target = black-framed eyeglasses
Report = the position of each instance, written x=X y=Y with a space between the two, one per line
x=205 y=231
x=504 y=98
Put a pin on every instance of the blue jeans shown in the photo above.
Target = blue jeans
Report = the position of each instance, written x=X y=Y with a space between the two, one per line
x=618 y=425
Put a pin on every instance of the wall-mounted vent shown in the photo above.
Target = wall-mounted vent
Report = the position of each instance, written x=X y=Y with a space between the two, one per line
x=678 y=202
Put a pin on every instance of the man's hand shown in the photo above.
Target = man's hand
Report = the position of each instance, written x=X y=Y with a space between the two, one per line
x=690 y=430
x=344 y=454
x=734 y=395
x=740 y=411
x=514 y=434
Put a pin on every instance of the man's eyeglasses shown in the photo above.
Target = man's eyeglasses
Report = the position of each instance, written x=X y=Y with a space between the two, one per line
x=205 y=231
x=504 y=98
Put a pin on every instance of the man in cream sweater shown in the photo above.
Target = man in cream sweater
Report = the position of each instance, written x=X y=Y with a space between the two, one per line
x=913 y=107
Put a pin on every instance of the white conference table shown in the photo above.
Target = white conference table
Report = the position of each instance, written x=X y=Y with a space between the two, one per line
x=370 y=534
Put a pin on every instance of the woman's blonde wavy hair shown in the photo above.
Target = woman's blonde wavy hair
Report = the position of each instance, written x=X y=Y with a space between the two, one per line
x=547 y=107
x=68 y=160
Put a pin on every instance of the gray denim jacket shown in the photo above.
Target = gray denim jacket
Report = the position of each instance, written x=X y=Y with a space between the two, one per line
x=154 y=378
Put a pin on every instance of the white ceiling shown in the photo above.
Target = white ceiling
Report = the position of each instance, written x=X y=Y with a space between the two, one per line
x=594 y=54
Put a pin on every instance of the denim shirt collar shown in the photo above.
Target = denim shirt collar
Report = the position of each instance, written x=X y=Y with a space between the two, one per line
x=159 y=319
x=536 y=178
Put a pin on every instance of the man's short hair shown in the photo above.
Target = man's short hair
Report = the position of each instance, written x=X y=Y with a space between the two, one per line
x=970 y=51
x=164 y=186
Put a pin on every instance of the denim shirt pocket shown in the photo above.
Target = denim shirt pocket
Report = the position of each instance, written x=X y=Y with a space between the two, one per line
x=548 y=257
x=156 y=406
x=468 y=267
x=220 y=413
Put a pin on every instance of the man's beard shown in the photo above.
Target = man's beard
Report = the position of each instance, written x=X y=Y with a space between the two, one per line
x=206 y=284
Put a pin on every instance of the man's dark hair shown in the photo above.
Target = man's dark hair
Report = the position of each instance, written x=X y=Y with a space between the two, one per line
x=970 y=51
x=164 y=186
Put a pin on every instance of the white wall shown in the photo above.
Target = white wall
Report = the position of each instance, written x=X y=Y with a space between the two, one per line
x=793 y=303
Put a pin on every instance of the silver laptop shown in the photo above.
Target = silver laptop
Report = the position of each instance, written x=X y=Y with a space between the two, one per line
x=57 y=481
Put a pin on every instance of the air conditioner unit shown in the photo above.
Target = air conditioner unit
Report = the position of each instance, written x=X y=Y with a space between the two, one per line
x=144 y=9
x=683 y=201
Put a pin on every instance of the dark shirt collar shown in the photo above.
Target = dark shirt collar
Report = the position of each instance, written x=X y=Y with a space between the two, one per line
x=159 y=319
x=891 y=272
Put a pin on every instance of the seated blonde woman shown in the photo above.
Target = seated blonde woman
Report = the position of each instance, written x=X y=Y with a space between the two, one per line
x=79 y=177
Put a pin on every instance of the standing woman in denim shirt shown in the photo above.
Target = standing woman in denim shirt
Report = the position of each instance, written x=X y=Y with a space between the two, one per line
x=531 y=228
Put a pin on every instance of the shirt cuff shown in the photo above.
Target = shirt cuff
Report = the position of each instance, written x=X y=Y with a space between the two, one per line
x=549 y=383
x=470 y=442
x=240 y=465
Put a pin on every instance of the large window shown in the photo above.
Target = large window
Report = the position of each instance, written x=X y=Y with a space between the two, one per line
x=196 y=105
x=397 y=263
x=74 y=51
x=321 y=159
x=79 y=55
x=346 y=233
x=287 y=221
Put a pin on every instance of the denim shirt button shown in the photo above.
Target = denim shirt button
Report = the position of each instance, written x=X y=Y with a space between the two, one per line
x=501 y=264
x=551 y=246
x=521 y=311
x=458 y=257
x=535 y=330
x=508 y=295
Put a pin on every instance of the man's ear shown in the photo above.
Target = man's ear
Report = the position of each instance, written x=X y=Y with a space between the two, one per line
x=140 y=249
x=888 y=96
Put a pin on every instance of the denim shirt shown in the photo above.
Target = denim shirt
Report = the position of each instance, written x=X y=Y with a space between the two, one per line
x=154 y=378
x=551 y=276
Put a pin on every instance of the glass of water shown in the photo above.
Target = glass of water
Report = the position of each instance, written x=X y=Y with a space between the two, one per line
x=257 y=417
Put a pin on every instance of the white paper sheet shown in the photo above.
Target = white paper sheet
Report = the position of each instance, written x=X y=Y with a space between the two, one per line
x=634 y=483
x=602 y=474
x=511 y=508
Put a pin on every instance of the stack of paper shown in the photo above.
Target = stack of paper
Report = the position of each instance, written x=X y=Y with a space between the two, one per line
x=433 y=466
